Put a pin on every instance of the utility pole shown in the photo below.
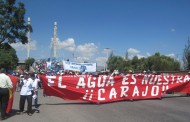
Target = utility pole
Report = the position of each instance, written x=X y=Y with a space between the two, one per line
x=28 y=46
x=54 y=39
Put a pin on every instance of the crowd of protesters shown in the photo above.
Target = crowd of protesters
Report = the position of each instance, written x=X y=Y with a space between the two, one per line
x=53 y=67
x=27 y=85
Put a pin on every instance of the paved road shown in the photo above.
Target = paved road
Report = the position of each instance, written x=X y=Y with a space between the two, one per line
x=172 y=108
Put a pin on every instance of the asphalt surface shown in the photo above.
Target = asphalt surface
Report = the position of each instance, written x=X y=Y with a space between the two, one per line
x=172 y=108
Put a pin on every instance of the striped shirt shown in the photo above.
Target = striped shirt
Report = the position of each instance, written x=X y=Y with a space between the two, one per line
x=5 y=81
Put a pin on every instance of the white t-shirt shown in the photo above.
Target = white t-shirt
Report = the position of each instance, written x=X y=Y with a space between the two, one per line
x=27 y=87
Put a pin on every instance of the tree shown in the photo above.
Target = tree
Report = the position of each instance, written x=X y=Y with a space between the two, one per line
x=115 y=63
x=135 y=62
x=159 y=62
x=155 y=62
x=142 y=64
x=8 y=57
x=186 y=56
x=29 y=62
x=13 y=27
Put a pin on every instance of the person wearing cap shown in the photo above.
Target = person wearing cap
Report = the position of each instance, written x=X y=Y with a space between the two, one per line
x=5 y=85
x=26 y=94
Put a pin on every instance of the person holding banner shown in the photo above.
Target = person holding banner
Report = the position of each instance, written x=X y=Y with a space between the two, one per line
x=5 y=85
x=115 y=73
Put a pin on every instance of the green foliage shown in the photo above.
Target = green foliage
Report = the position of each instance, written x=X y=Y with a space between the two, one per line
x=186 y=56
x=29 y=61
x=159 y=62
x=115 y=62
x=155 y=62
x=8 y=57
x=13 y=27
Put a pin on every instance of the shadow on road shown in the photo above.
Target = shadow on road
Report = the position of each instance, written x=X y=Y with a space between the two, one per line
x=130 y=100
x=175 y=95
x=71 y=103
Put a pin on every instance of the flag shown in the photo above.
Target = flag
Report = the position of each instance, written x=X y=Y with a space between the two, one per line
x=14 y=80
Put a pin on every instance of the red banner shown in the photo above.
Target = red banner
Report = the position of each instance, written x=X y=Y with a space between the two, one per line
x=109 y=89
x=14 y=80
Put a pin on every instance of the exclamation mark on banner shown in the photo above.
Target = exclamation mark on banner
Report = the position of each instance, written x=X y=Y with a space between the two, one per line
x=85 y=96
x=90 y=98
x=165 y=88
x=88 y=95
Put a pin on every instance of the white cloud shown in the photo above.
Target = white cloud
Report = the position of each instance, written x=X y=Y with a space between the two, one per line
x=87 y=50
x=132 y=51
x=172 y=55
x=140 y=56
x=82 y=59
x=176 y=58
x=83 y=52
x=68 y=44
x=148 y=54
x=20 y=47
x=33 y=45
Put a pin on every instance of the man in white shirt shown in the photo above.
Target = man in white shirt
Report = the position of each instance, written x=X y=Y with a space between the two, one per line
x=5 y=85
x=26 y=94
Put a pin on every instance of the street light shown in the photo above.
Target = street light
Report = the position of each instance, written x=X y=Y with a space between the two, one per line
x=28 y=47
x=107 y=50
